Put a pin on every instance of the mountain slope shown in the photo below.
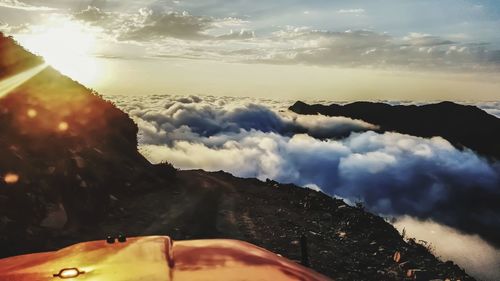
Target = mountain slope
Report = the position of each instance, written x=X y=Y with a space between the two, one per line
x=462 y=125
x=71 y=172
x=345 y=243
x=63 y=150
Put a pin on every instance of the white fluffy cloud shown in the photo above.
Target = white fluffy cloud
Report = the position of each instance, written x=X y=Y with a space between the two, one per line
x=479 y=258
x=169 y=119
x=156 y=24
x=492 y=107
x=92 y=14
x=152 y=24
x=237 y=35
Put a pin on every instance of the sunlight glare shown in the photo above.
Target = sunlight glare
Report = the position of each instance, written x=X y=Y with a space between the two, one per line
x=66 y=46
x=9 y=84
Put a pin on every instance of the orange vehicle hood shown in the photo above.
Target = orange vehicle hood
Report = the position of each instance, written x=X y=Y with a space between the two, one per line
x=157 y=258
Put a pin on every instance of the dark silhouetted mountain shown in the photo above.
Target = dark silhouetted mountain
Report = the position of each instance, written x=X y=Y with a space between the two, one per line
x=462 y=125
x=70 y=172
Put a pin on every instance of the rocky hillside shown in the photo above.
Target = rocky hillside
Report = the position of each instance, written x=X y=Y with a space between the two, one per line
x=464 y=126
x=71 y=172
x=63 y=151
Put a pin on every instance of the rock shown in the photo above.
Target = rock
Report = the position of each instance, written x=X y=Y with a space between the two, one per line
x=326 y=217
x=449 y=263
x=56 y=217
x=5 y=220
x=80 y=162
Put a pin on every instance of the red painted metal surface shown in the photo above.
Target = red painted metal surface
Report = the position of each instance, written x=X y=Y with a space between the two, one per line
x=156 y=258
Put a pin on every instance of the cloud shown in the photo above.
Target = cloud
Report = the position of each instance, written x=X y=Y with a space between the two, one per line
x=367 y=48
x=98 y=3
x=393 y=174
x=152 y=24
x=351 y=11
x=492 y=108
x=157 y=24
x=476 y=256
x=420 y=39
x=194 y=119
x=232 y=35
x=167 y=32
x=13 y=29
x=91 y=14
x=19 y=5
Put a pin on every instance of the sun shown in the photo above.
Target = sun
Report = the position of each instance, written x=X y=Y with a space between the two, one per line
x=67 y=47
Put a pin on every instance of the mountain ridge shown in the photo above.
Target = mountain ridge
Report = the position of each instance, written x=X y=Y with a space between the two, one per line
x=462 y=125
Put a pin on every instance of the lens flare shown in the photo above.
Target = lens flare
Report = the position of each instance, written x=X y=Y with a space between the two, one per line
x=11 y=178
x=31 y=113
x=11 y=83
x=63 y=126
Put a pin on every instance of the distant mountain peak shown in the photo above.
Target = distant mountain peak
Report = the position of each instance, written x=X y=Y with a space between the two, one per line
x=462 y=125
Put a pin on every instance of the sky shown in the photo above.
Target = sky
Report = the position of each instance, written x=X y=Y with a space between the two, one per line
x=336 y=50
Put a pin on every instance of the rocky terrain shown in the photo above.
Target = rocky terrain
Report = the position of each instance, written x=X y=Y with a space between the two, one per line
x=345 y=243
x=71 y=172
x=462 y=125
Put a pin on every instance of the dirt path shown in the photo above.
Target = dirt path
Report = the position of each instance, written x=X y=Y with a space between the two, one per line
x=200 y=207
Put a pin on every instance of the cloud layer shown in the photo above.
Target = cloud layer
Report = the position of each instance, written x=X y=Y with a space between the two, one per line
x=187 y=29
x=20 y=5
x=368 y=48
x=289 y=44
x=478 y=257
x=391 y=173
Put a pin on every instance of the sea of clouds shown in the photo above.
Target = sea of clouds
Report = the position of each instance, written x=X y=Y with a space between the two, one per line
x=393 y=174
x=479 y=258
